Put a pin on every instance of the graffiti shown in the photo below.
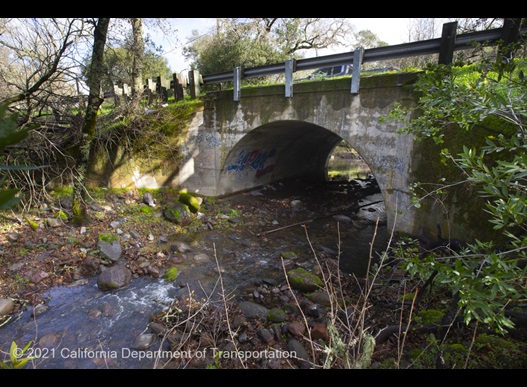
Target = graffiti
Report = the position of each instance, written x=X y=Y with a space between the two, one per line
x=254 y=159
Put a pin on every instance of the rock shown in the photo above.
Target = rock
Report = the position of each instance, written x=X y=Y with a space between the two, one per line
x=296 y=328
x=192 y=203
x=148 y=199
x=296 y=204
x=252 y=310
x=303 y=280
x=143 y=341
x=319 y=331
x=114 y=277
x=320 y=297
x=178 y=213
x=39 y=276
x=265 y=334
x=6 y=306
x=180 y=247
x=53 y=222
x=110 y=247
x=298 y=351
x=342 y=218
x=277 y=315
x=202 y=257
x=12 y=237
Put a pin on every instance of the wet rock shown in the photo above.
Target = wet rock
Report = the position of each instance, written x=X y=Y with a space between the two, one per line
x=144 y=341
x=252 y=310
x=180 y=247
x=6 y=306
x=114 y=277
x=303 y=280
x=39 y=309
x=202 y=257
x=342 y=218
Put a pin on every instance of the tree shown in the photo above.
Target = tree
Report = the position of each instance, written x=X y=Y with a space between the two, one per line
x=256 y=42
x=488 y=277
x=95 y=75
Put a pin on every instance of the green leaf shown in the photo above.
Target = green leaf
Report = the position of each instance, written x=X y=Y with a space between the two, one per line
x=8 y=199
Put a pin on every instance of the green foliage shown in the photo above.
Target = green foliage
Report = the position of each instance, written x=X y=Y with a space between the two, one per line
x=16 y=357
x=10 y=135
x=485 y=278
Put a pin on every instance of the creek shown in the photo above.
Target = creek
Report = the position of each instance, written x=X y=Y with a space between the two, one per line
x=86 y=328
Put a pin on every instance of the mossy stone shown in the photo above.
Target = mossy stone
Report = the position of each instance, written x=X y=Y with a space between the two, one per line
x=303 y=280
x=190 y=201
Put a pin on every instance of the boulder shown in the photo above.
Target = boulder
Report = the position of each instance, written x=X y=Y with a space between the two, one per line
x=303 y=280
x=178 y=213
x=114 y=277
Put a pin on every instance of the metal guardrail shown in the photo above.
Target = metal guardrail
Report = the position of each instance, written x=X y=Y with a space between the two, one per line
x=444 y=46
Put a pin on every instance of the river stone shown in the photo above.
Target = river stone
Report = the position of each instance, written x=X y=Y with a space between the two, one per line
x=6 y=306
x=114 y=277
x=277 y=315
x=143 y=341
x=303 y=280
x=110 y=249
x=252 y=310
x=298 y=351
x=178 y=213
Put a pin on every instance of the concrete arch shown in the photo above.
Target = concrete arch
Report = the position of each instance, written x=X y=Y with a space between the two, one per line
x=275 y=151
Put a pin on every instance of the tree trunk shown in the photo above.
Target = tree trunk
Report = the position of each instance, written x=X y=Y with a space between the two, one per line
x=138 y=50
x=95 y=75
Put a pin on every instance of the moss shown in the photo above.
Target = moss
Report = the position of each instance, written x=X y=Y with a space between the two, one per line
x=110 y=238
x=303 y=280
x=171 y=274
x=429 y=316
x=190 y=201
x=288 y=255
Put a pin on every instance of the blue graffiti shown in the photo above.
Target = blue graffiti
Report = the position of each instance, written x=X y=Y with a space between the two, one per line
x=254 y=159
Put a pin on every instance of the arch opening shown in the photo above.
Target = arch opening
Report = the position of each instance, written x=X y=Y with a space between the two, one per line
x=297 y=157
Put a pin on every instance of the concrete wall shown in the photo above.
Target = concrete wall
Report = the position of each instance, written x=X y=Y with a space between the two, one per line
x=267 y=137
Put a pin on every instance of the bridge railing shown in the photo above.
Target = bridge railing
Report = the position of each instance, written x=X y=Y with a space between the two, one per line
x=444 y=46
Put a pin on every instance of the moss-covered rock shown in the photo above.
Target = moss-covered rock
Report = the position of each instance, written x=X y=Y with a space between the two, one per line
x=171 y=274
x=178 y=213
x=303 y=280
x=191 y=201
x=277 y=315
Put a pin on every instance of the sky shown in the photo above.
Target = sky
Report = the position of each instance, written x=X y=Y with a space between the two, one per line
x=389 y=30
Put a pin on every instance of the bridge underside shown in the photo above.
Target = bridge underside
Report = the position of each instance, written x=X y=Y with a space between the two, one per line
x=277 y=151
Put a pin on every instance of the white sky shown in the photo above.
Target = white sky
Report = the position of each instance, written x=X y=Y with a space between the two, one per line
x=389 y=30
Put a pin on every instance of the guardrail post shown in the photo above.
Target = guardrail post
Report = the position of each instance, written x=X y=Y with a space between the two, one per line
x=448 y=42
x=355 y=73
x=290 y=68
x=237 y=78
x=194 y=79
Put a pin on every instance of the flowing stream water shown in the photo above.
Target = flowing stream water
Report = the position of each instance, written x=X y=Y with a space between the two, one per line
x=84 y=327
